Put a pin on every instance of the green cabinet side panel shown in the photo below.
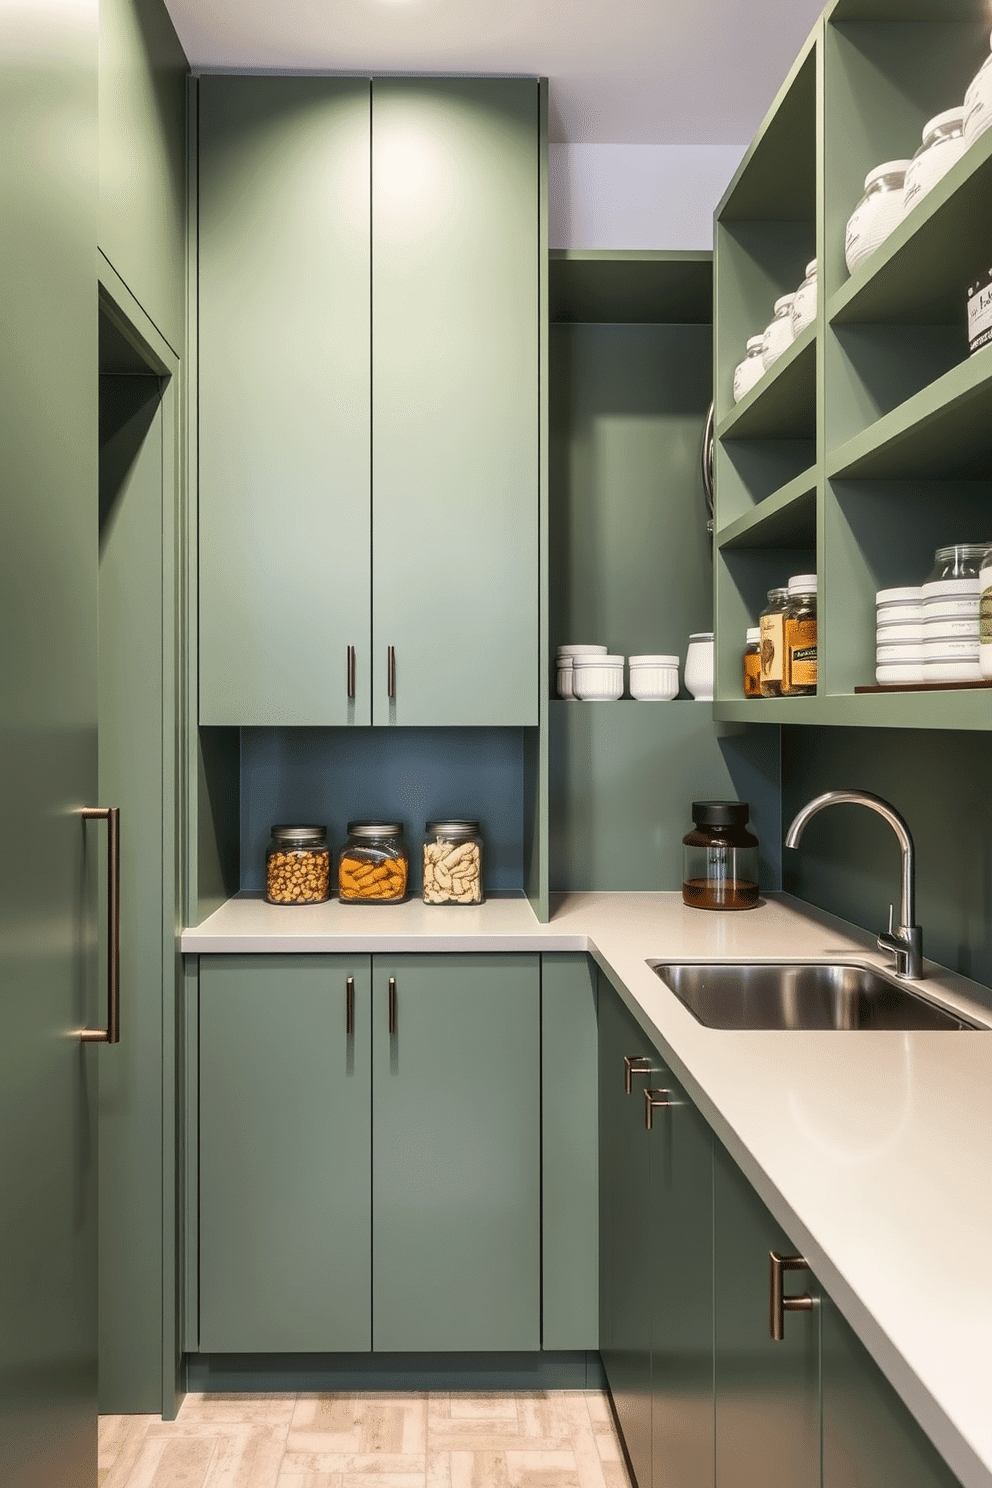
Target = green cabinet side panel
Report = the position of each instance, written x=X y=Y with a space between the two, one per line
x=284 y=1155
x=570 y=1152
x=626 y=1248
x=284 y=373
x=455 y=332
x=767 y=1393
x=142 y=109
x=870 y=1439
x=456 y=1154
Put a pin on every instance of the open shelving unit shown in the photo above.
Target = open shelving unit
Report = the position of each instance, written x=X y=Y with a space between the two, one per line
x=869 y=444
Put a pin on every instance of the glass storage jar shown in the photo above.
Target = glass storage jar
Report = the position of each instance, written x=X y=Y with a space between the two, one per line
x=778 y=334
x=978 y=102
x=985 y=617
x=452 y=862
x=943 y=144
x=799 y=632
x=770 y=625
x=749 y=372
x=752 y=663
x=804 y=301
x=373 y=865
x=297 y=866
x=720 y=857
x=877 y=213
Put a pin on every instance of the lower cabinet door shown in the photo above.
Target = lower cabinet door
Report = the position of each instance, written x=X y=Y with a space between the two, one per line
x=627 y=1248
x=456 y=1153
x=767 y=1393
x=681 y=1209
x=285 y=1154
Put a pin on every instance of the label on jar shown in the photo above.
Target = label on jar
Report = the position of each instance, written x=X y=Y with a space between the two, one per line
x=802 y=666
x=980 y=313
x=978 y=103
x=772 y=649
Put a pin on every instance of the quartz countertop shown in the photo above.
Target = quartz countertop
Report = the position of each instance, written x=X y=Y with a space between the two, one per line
x=873 y=1150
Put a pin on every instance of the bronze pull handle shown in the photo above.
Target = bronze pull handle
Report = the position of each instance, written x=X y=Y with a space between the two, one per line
x=632 y=1063
x=349 y=1007
x=780 y=1304
x=391 y=671
x=654 y=1100
x=112 y=1033
x=351 y=673
x=392 y=1006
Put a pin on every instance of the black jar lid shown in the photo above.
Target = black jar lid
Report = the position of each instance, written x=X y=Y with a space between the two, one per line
x=720 y=813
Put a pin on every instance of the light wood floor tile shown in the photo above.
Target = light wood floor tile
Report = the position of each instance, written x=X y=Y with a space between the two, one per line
x=479 y=1470
x=119 y=1444
x=359 y=1425
x=249 y=1410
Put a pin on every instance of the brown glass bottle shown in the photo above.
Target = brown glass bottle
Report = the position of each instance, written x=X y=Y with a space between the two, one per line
x=800 y=671
x=752 y=664
x=720 y=857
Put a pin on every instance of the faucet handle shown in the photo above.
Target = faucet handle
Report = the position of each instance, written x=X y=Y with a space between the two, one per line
x=891 y=915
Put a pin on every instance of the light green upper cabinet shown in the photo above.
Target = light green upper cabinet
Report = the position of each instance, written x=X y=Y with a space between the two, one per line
x=455 y=320
x=284 y=422
x=368 y=400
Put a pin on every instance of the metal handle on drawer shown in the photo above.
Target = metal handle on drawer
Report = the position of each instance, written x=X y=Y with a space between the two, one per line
x=349 y=1007
x=112 y=1033
x=633 y=1063
x=351 y=673
x=391 y=671
x=654 y=1100
x=780 y=1304
x=392 y=1005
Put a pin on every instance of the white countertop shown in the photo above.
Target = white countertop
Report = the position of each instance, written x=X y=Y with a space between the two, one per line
x=872 y=1150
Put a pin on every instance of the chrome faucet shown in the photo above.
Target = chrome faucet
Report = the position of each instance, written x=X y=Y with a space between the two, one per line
x=906 y=940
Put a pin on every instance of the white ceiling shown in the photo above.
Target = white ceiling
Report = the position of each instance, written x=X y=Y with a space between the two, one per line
x=650 y=72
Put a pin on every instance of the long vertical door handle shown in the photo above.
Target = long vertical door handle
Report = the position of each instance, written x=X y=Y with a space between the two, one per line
x=779 y=1303
x=112 y=1033
x=392 y=1006
x=349 y=1007
x=391 y=671
x=351 y=674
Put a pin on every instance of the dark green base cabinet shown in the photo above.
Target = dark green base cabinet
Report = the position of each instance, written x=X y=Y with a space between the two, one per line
x=369 y=1153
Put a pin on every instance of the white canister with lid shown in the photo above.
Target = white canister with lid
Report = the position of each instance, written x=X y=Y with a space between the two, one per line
x=804 y=301
x=778 y=335
x=902 y=654
x=951 y=669
x=985 y=617
x=653 y=678
x=899 y=674
x=597 y=678
x=943 y=145
x=698 y=673
x=899 y=635
x=749 y=372
x=878 y=212
x=902 y=606
x=564 y=685
x=978 y=102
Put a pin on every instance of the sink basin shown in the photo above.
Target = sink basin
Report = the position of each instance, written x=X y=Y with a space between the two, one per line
x=807 y=995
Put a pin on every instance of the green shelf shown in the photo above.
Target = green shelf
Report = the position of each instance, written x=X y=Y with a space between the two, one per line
x=945 y=430
x=783 y=405
x=774 y=180
x=917 y=710
x=908 y=10
x=786 y=519
x=607 y=286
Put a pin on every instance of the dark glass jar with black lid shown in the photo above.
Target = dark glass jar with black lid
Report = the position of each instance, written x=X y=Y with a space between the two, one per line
x=720 y=857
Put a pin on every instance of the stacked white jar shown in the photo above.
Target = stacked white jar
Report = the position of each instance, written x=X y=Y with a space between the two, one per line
x=779 y=334
x=899 y=637
x=878 y=212
x=749 y=372
x=598 y=677
x=950 y=613
x=565 y=663
x=804 y=301
x=943 y=145
x=654 y=678
x=985 y=617
x=978 y=103
x=699 y=665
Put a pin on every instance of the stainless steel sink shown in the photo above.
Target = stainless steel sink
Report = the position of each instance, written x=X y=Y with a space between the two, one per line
x=808 y=995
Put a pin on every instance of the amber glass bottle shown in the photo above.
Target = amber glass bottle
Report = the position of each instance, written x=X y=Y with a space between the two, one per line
x=799 y=674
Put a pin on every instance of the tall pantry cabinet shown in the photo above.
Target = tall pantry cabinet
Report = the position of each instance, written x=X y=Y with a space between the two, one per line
x=368 y=291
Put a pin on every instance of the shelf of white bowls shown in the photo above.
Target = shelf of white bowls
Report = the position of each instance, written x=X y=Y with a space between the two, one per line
x=592 y=674
x=933 y=634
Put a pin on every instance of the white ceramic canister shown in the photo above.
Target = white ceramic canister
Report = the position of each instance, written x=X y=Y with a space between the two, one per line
x=565 y=688
x=778 y=335
x=985 y=619
x=898 y=674
x=804 y=301
x=900 y=635
x=749 y=372
x=877 y=213
x=698 y=673
x=583 y=650
x=905 y=653
x=960 y=650
x=942 y=607
x=952 y=630
x=654 y=678
x=597 y=678
x=951 y=669
x=902 y=606
x=943 y=145
x=978 y=102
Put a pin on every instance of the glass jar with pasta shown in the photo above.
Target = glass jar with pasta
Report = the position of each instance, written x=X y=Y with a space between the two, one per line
x=373 y=865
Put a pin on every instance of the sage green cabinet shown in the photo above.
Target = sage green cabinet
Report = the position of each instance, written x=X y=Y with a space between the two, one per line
x=767 y=1393
x=368 y=400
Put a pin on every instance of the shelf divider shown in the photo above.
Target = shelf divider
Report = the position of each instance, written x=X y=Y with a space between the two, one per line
x=785 y=519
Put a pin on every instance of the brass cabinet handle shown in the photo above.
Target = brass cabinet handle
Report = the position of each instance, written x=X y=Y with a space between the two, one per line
x=112 y=1033
x=392 y=1006
x=780 y=1304
x=349 y=1007
x=653 y=1101
x=391 y=671
x=351 y=673
x=632 y=1063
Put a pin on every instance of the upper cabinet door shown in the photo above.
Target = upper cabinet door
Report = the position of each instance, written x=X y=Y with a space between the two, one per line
x=284 y=423
x=455 y=323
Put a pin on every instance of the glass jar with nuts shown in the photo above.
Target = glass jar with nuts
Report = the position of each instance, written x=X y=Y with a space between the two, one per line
x=373 y=866
x=452 y=863
x=297 y=866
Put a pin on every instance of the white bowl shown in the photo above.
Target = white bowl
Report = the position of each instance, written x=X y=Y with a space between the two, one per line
x=597 y=678
x=564 y=685
x=952 y=671
x=909 y=654
x=899 y=614
x=894 y=635
x=654 y=678
x=582 y=650
x=965 y=607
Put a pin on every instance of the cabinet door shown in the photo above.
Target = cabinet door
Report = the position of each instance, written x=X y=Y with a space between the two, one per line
x=283 y=389
x=456 y=1153
x=870 y=1439
x=681 y=1211
x=455 y=323
x=767 y=1393
x=285 y=1154
x=626 y=1245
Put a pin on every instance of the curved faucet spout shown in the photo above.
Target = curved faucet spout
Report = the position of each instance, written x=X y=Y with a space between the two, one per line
x=906 y=940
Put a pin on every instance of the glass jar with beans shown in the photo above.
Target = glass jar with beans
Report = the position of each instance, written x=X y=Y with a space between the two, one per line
x=297 y=866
